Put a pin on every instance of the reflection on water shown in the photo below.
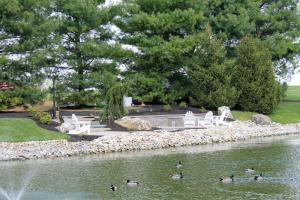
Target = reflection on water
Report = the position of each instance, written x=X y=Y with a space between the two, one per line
x=90 y=177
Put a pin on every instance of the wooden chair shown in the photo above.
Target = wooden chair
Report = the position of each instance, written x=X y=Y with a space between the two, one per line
x=189 y=120
x=81 y=127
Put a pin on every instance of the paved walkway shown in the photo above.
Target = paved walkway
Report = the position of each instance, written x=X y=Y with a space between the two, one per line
x=160 y=121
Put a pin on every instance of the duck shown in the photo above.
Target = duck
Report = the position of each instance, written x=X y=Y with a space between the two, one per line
x=258 y=177
x=113 y=188
x=227 y=179
x=132 y=183
x=179 y=164
x=250 y=170
x=177 y=176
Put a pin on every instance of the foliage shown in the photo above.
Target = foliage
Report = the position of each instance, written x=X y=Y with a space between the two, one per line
x=254 y=77
x=71 y=42
x=76 y=98
x=202 y=110
x=20 y=130
x=167 y=108
x=34 y=112
x=161 y=32
x=24 y=29
x=275 y=22
x=20 y=96
x=183 y=105
x=114 y=103
x=45 y=118
x=16 y=101
x=86 y=47
x=210 y=74
x=145 y=88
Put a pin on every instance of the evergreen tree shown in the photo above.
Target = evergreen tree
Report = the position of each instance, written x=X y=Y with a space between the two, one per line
x=24 y=27
x=275 y=22
x=254 y=77
x=209 y=72
x=86 y=43
x=160 y=30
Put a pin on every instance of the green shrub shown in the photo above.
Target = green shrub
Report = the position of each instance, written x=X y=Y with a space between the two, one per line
x=82 y=98
x=114 y=103
x=3 y=107
x=20 y=95
x=45 y=118
x=210 y=75
x=193 y=102
x=202 y=110
x=16 y=101
x=183 y=105
x=34 y=112
x=254 y=77
x=167 y=108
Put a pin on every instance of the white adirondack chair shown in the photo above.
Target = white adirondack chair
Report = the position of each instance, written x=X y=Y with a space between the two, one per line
x=189 y=120
x=207 y=121
x=81 y=127
x=221 y=120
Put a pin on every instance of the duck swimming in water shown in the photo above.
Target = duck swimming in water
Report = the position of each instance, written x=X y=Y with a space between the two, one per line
x=258 y=177
x=132 y=183
x=113 y=188
x=179 y=164
x=227 y=179
x=250 y=170
x=177 y=176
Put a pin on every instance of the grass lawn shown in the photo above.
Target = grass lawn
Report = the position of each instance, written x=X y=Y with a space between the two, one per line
x=19 y=130
x=293 y=93
x=287 y=112
x=241 y=115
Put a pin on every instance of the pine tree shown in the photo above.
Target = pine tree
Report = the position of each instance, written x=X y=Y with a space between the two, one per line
x=24 y=29
x=275 y=22
x=160 y=30
x=254 y=77
x=86 y=46
x=210 y=76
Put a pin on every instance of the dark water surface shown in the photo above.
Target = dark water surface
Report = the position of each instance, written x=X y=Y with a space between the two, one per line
x=90 y=177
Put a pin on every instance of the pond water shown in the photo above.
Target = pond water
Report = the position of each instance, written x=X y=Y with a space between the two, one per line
x=90 y=177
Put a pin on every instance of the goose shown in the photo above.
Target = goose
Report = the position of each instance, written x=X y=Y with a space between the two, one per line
x=132 y=183
x=258 y=177
x=179 y=164
x=113 y=188
x=250 y=170
x=177 y=176
x=227 y=179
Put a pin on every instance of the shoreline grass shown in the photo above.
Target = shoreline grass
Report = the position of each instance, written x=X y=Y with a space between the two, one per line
x=288 y=111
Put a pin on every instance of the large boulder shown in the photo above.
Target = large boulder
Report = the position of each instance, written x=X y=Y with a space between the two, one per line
x=134 y=124
x=222 y=108
x=261 y=119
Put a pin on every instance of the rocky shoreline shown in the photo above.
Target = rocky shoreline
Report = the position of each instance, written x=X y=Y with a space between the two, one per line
x=126 y=141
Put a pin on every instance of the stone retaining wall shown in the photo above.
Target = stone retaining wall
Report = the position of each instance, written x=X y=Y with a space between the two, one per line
x=126 y=141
